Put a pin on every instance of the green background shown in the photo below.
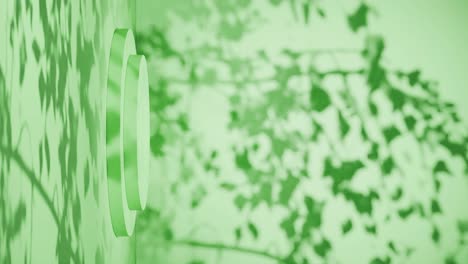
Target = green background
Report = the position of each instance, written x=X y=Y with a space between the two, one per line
x=53 y=196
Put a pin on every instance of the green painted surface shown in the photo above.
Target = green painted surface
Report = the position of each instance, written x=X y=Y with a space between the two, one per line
x=282 y=131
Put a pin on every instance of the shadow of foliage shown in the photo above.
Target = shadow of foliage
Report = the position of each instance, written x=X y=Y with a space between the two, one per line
x=51 y=48
x=260 y=111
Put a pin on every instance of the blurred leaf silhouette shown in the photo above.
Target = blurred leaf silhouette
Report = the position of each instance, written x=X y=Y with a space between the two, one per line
x=420 y=114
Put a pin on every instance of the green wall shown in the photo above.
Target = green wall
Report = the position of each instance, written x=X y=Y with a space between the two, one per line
x=274 y=137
